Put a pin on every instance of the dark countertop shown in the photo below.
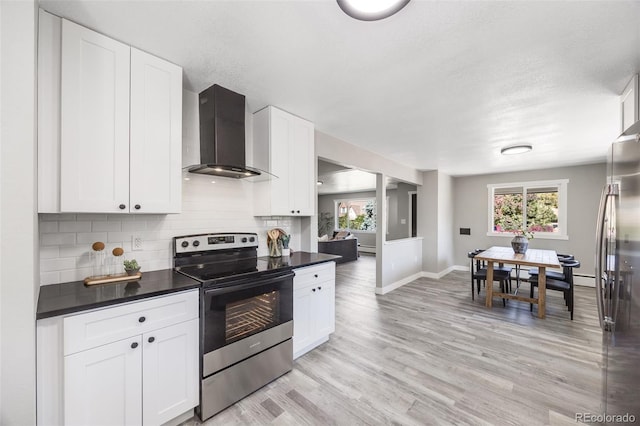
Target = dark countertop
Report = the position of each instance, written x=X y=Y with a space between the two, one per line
x=297 y=259
x=66 y=298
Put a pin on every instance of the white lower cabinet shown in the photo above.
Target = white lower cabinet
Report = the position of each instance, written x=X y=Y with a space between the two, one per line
x=314 y=306
x=145 y=374
x=170 y=385
x=102 y=385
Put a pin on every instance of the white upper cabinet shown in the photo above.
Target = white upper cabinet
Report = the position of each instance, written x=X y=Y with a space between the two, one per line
x=117 y=147
x=95 y=121
x=156 y=134
x=284 y=146
x=629 y=104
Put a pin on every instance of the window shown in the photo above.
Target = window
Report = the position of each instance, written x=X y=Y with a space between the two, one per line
x=540 y=207
x=356 y=215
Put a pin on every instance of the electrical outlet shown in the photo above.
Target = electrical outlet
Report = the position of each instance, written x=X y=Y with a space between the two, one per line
x=136 y=242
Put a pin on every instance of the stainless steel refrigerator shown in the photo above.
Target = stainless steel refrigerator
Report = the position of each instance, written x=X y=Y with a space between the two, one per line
x=618 y=284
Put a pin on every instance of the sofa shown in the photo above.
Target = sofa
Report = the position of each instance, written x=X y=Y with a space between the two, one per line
x=347 y=248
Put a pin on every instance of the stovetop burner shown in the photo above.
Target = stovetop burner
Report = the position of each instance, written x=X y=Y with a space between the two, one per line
x=213 y=271
x=214 y=259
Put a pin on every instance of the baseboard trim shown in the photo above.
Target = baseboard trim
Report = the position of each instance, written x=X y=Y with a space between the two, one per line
x=386 y=289
x=438 y=275
x=584 y=280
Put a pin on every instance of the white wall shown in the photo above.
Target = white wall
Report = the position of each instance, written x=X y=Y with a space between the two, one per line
x=346 y=154
x=435 y=219
x=223 y=206
x=584 y=188
x=18 y=247
x=446 y=211
x=428 y=220
x=402 y=263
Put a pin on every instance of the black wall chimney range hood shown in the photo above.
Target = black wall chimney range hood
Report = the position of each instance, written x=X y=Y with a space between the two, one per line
x=222 y=135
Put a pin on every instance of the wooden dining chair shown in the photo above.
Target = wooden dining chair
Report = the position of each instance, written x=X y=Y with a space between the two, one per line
x=565 y=285
x=478 y=268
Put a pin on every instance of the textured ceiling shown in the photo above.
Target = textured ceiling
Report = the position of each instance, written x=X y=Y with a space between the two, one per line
x=440 y=85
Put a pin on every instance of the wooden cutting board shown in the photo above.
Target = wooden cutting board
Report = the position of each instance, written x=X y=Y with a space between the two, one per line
x=112 y=279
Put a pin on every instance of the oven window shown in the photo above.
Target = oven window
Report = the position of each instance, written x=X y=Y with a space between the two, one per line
x=232 y=315
x=250 y=316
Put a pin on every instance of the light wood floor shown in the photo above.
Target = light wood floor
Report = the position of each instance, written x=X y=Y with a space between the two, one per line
x=426 y=354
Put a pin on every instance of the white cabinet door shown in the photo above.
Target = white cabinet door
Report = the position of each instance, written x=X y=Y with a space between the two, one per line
x=156 y=135
x=170 y=372
x=288 y=143
x=324 y=308
x=314 y=311
x=103 y=386
x=94 y=158
x=280 y=160
x=303 y=332
x=303 y=187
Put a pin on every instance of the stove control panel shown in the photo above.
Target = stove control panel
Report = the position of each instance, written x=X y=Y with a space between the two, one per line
x=211 y=242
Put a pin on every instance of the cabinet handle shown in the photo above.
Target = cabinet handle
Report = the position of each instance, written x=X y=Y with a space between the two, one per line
x=319 y=288
x=134 y=345
x=152 y=339
x=313 y=289
x=298 y=211
x=315 y=275
x=122 y=206
x=142 y=319
x=293 y=211
x=137 y=206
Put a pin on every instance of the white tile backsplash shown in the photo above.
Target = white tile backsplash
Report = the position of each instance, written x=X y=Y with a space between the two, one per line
x=57 y=239
x=74 y=226
x=48 y=227
x=226 y=206
x=107 y=226
x=91 y=237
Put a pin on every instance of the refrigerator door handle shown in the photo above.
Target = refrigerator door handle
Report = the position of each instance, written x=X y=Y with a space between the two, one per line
x=600 y=228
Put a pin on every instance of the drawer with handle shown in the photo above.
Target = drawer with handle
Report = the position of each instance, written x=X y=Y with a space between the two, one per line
x=314 y=274
x=103 y=326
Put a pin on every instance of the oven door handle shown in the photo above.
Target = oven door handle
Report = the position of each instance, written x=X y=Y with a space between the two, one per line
x=246 y=283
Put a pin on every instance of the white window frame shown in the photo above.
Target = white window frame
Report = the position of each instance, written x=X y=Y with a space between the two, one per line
x=336 y=202
x=561 y=184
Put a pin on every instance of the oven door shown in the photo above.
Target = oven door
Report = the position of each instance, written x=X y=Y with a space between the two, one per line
x=245 y=317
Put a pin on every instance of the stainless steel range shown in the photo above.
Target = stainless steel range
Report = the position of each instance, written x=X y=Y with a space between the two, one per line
x=246 y=316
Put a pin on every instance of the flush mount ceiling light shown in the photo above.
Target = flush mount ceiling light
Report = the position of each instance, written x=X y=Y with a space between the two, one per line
x=516 y=149
x=371 y=10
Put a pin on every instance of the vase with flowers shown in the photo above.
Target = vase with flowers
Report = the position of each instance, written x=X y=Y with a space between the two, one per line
x=520 y=242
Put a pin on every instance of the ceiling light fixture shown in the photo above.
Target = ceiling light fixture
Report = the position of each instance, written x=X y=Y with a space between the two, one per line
x=516 y=149
x=371 y=10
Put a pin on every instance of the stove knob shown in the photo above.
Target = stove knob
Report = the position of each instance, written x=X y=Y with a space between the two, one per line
x=196 y=243
x=252 y=239
x=184 y=244
x=244 y=239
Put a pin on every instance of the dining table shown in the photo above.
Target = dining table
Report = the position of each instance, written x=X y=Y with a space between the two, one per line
x=542 y=259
